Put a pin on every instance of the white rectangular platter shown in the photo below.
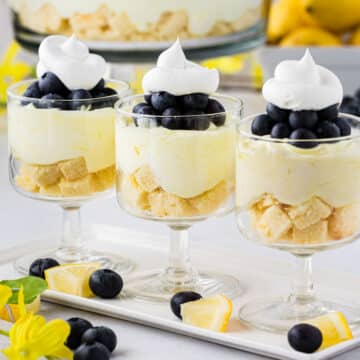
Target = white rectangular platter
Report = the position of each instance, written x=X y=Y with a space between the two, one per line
x=258 y=276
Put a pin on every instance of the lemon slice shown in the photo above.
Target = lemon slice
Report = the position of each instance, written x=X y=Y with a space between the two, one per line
x=15 y=313
x=211 y=313
x=334 y=328
x=71 y=278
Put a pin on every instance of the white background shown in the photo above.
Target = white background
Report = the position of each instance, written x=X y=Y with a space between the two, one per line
x=24 y=220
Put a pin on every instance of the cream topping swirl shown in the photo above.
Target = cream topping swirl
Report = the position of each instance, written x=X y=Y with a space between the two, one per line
x=179 y=76
x=70 y=60
x=303 y=85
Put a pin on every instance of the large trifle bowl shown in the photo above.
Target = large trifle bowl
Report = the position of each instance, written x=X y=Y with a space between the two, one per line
x=62 y=150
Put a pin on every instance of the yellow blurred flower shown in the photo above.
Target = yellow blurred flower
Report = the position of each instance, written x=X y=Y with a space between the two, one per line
x=11 y=71
x=31 y=338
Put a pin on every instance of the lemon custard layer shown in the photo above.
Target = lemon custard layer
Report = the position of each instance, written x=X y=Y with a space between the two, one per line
x=175 y=173
x=135 y=20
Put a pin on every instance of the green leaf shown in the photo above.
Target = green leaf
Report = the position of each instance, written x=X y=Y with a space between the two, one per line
x=33 y=287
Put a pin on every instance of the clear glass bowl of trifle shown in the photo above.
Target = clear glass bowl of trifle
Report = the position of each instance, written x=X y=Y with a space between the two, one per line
x=298 y=169
x=175 y=156
x=61 y=139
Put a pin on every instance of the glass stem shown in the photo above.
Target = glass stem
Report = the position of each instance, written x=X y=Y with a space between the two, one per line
x=303 y=286
x=70 y=249
x=179 y=275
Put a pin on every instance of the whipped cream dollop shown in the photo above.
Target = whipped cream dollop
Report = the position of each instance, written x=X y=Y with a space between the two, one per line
x=70 y=60
x=179 y=76
x=303 y=85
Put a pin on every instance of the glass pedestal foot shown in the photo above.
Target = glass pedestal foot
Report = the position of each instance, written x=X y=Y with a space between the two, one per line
x=120 y=264
x=153 y=286
x=278 y=315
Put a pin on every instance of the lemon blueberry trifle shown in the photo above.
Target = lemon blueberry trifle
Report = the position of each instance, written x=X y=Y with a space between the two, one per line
x=61 y=129
x=298 y=165
x=175 y=153
x=137 y=20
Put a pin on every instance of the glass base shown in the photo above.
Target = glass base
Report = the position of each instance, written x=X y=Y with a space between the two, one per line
x=153 y=286
x=278 y=315
x=119 y=264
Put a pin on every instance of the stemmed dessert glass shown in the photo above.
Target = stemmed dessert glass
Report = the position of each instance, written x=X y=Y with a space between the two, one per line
x=64 y=153
x=298 y=196
x=160 y=177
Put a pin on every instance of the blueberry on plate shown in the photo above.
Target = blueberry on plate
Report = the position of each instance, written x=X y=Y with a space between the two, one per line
x=102 y=335
x=344 y=126
x=262 y=125
x=38 y=267
x=276 y=113
x=147 y=98
x=303 y=119
x=214 y=107
x=106 y=283
x=303 y=134
x=50 y=83
x=197 y=121
x=49 y=101
x=180 y=298
x=95 y=351
x=162 y=100
x=99 y=87
x=32 y=91
x=329 y=113
x=327 y=130
x=305 y=338
x=280 y=130
x=195 y=101
x=78 y=327
x=77 y=97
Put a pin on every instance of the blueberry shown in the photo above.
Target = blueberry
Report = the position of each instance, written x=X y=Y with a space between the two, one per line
x=180 y=298
x=276 y=113
x=329 y=113
x=99 y=103
x=344 y=126
x=262 y=125
x=99 y=87
x=33 y=91
x=138 y=108
x=52 y=101
x=102 y=335
x=171 y=122
x=38 y=267
x=94 y=351
x=162 y=100
x=280 y=130
x=303 y=119
x=305 y=338
x=352 y=108
x=144 y=109
x=147 y=98
x=214 y=107
x=106 y=283
x=196 y=122
x=303 y=134
x=50 y=83
x=195 y=101
x=347 y=99
x=327 y=130
x=77 y=97
x=78 y=327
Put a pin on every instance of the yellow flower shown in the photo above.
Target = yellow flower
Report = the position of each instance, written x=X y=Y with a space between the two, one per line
x=31 y=337
x=5 y=294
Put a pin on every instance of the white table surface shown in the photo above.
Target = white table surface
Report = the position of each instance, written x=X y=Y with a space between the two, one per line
x=23 y=220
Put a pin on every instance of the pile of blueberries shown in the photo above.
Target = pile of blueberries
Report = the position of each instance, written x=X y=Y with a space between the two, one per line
x=90 y=342
x=50 y=92
x=351 y=104
x=301 y=125
x=169 y=108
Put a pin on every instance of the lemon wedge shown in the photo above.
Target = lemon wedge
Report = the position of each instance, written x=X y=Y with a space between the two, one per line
x=211 y=313
x=15 y=312
x=334 y=328
x=71 y=278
